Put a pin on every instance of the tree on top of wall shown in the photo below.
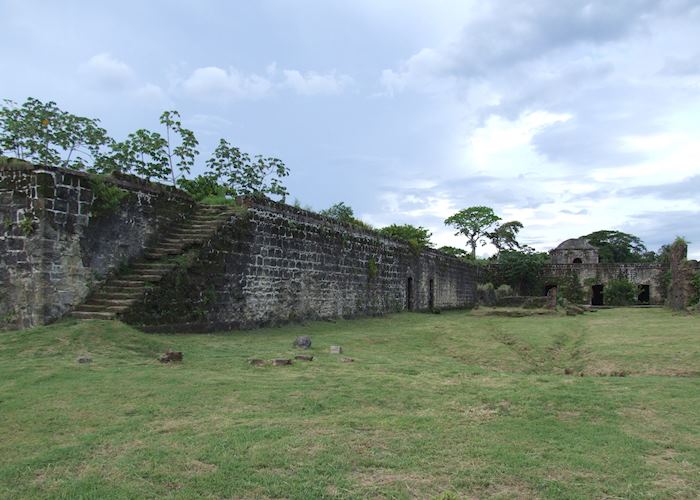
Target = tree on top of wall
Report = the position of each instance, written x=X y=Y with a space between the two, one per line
x=417 y=236
x=42 y=133
x=619 y=247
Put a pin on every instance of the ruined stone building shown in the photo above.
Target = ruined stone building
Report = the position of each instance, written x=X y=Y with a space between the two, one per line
x=73 y=243
x=579 y=259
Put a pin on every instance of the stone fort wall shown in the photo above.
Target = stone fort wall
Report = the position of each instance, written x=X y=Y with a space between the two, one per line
x=54 y=247
x=275 y=263
x=270 y=264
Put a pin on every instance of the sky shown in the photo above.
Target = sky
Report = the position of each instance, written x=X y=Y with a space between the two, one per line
x=569 y=116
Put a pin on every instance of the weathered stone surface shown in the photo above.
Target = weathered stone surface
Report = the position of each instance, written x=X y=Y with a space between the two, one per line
x=83 y=359
x=171 y=356
x=281 y=362
x=275 y=263
x=304 y=357
x=303 y=342
x=54 y=248
x=336 y=349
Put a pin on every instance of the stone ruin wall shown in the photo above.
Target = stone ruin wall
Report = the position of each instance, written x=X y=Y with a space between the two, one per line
x=600 y=274
x=275 y=263
x=53 y=249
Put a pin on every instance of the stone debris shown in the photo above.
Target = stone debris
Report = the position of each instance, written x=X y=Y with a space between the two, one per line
x=281 y=362
x=304 y=357
x=336 y=349
x=303 y=342
x=170 y=356
x=84 y=359
x=257 y=362
x=346 y=360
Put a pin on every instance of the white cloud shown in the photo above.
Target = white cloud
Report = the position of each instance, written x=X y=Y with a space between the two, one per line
x=312 y=83
x=107 y=72
x=215 y=84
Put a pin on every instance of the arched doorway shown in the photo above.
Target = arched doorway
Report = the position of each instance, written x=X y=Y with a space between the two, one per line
x=578 y=260
x=409 y=294
x=597 y=297
x=431 y=294
x=547 y=288
x=643 y=294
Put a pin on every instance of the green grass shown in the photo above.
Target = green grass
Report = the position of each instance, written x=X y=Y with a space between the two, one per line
x=474 y=405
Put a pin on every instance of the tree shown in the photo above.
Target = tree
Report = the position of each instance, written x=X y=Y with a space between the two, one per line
x=618 y=247
x=42 y=133
x=474 y=223
x=620 y=292
x=418 y=237
x=460 y=253
x=245 y=176
x=340 y=212
x=184 y=153
x=143 y=152
x=522 y=270
x=504 y=237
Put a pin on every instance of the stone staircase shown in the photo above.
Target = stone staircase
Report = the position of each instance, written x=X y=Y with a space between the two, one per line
x=122 y=290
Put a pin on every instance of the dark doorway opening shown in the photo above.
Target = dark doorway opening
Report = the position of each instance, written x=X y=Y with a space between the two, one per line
x=547 y=288
x=409 y=294
x=597 y=298
x=643 y=297
x=577 y=260
x=431 y=294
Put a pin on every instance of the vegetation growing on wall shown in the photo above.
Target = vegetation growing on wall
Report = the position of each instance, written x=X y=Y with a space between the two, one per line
x=106 y=197
x=620 y=292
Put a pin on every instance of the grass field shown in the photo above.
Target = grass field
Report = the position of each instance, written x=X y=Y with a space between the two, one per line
x=457 y=403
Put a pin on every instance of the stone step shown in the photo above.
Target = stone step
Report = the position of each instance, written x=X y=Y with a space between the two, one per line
x=127 y=283
x=145 y=270
x=111 y=302
x=149 y=277
x=93 y=315
x=100 y=308
x=113 y=295
x=153 y=266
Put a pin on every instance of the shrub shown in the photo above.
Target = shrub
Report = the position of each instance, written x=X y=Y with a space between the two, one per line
x=486 y=294
x=504 y=291
x=695 y=289
x=106 y=196
x=620 y=292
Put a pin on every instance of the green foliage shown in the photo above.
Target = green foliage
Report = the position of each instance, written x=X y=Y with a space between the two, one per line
x=245 y=176
x=41 y=132
x=619 y=247
x=26 y=225
x=340 y=212
x=504 y=236
x=204 y=187
x=474 y=223
x=569 y=287
x=522 y=270
x=620 y=292
x=486 y=294
x=345 y=214
x=504 y=291
x=185 y=152
x=455 y=252
x=416 y=236
x=107 y=197
x=695 y=285
x=372 y=269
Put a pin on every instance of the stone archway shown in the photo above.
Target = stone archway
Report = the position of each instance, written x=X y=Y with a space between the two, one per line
x=643 y=294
